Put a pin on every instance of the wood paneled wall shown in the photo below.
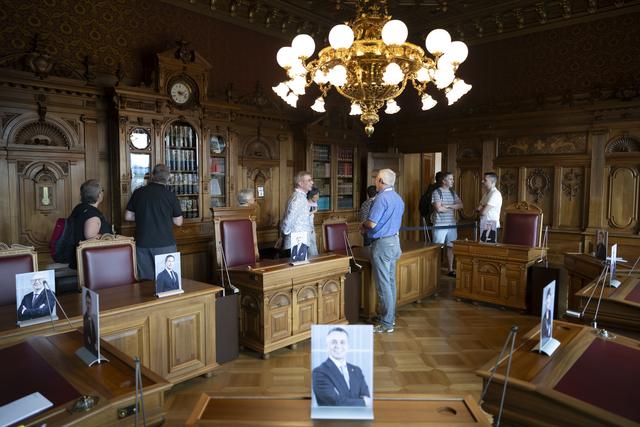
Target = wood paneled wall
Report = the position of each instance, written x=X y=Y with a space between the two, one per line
x=583 y=177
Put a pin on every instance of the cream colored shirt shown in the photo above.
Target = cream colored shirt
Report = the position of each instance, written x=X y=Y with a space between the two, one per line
x=493 y=200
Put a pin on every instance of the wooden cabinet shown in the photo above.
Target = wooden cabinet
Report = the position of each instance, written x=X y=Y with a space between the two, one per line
x=334 y=172
x=417 y=273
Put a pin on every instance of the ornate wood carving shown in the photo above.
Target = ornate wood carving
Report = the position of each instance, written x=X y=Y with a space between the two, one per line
x=41 y=133
x=623 y=144
x=538 y=183
x=508 y=181
x=624 y=197
x=572 y=182
x=553 y=144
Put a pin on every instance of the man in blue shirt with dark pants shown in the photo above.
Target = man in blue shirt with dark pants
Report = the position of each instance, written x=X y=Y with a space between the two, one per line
x=382 y=227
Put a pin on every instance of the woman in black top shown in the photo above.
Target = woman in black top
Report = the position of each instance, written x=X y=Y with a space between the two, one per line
x=89 y=222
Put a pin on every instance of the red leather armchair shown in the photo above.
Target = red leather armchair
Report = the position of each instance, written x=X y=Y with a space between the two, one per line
x=333 y=236
x=14 y=259
x=523 y=224
x=235 y=234
x=107 y=262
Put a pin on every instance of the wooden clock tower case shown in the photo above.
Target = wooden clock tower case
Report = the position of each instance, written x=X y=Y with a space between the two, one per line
x=173 y=123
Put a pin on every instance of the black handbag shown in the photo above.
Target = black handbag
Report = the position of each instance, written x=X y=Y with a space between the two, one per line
x=354 y=267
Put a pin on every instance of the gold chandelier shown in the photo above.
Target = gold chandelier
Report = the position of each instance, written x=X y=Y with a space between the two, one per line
x=369 y=62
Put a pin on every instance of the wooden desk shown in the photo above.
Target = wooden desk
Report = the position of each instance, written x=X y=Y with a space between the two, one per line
x=113 y=382
x=173 y=336
x=398 y=411
x=417 y=273
x=619 y=307
x=494 y=273
x=588 y=381
x=280 y=302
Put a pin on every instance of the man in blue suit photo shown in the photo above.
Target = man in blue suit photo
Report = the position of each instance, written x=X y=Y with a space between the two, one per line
x=337 y=382
x=168 y=279
x=38 y=303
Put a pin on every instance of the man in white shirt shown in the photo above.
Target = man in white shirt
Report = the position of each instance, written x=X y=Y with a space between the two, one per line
x=489 y=208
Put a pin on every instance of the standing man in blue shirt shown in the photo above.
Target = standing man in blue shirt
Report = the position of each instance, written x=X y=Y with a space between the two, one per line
x=382 y=227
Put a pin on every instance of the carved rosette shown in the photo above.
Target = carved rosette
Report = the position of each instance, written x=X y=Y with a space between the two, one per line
x=624 y=144
x=41 y=133
x=572 y=182
x=538 y=183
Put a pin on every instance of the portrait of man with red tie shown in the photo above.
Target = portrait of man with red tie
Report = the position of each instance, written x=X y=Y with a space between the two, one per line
x=169 y=278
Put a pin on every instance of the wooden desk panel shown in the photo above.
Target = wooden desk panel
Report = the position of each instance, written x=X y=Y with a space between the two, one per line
x=280 y=302
x=618 y=307
x=496 y=274
x=396 y=411
x=113 y=383
x=174 y=336
x=534 y=397
x=417 y=274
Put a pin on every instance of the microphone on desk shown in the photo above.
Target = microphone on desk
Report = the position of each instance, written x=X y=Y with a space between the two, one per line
x=634 y=267
x=224 y=270
x=46 y=295
x=139 y=403
x=594 y=323
x=510 y=338
x=545 y=245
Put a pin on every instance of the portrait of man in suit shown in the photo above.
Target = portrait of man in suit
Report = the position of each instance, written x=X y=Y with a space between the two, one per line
x=337 y=382
x=299 y=248
x=90 y=324
x=168 y=279
x=38 y=303
x=547 y=314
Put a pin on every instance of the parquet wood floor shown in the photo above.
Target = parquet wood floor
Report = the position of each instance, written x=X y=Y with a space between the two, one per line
x=436 y=348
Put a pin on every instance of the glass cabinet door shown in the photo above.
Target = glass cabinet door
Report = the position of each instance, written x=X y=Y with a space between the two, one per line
x=139 y=156
x=218 y=171
x=181 y=155
x=321 y=171
x=345 y=178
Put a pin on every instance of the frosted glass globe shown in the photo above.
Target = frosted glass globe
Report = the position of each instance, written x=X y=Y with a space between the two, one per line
x=437 y=41
x=303 y=45
x=458 y=51
x=338 y=76
x=394 y=32
x=341 y=37
x=285 y=57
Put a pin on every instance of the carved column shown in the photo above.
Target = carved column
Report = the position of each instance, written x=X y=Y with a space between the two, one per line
x=597 y=180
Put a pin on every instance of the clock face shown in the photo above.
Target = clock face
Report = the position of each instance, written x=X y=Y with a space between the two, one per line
x=180 y=93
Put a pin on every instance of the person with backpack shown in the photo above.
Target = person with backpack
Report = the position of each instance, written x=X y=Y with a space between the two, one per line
x=86 y=221
x=425 y=206
x=445 y=203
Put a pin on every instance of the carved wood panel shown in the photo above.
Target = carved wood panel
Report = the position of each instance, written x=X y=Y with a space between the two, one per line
x=623 y=197
x=330 y=305
x=409 y=279
x=132 y=340
x=539 y=186
x=305 y=308
x=571 y=212
x=469 y=190
x=278 y=318
x=508 y=185
x=251 y=317
x=186 y=349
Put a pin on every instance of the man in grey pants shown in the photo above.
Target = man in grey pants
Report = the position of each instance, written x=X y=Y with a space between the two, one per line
x=155 y=209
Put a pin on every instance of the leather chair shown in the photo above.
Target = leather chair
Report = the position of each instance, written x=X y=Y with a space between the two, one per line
x=523 y=224
x=236 y=234
x=107 y=262
x=14 y=259
x=333 y=232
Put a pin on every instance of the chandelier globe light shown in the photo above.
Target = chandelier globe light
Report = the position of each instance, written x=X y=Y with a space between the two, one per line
x=369 y=62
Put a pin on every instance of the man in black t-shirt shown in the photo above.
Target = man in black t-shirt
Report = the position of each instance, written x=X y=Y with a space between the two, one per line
x=155 y=209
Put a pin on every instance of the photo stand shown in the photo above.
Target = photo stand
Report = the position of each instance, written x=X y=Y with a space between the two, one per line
x=89 y=358
x=548 y=348
x=43 y=319
x=306 y=261
x=170 y=293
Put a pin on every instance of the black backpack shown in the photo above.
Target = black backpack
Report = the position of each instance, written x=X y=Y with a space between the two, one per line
x=66 y=243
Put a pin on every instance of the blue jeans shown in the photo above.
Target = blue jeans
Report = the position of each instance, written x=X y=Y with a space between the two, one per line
x=384 y=254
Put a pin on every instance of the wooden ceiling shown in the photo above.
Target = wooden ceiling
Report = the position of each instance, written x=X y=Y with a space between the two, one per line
x=474 y=21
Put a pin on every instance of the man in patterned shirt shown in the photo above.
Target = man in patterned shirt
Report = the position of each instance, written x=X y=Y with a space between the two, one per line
x=296 y=218
x=445 y=203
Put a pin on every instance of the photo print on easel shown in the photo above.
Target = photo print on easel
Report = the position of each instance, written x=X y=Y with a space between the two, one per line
x=299 y=247
x=168 y=279
x=35 y=297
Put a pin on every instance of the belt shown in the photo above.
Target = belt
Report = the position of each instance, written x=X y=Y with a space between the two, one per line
x=385 y=237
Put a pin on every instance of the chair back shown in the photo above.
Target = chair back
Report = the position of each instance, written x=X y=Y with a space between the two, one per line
x=14 y=259
x=236 y=235
x=523 y=224
x=107 y=262
x=333 y=231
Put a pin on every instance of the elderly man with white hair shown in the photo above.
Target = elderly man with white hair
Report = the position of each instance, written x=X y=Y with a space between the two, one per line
x=296 y=218
x=382 y=227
